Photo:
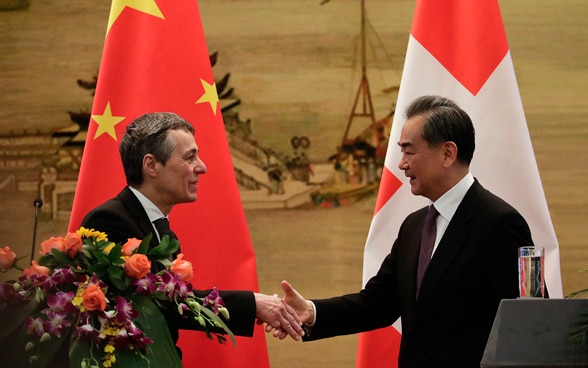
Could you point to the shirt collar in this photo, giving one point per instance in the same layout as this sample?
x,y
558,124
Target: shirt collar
x,y
151,209
447,204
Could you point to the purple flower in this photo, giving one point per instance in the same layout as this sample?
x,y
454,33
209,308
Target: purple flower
x,y
60,302
213,300
147,284
85,329
95,280
142,342
124,310
169,283
137,337
34,281
35,326
56,323
9,295
127,334
182,308
62,276
182,290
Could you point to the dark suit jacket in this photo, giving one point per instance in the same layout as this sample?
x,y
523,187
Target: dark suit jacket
x,y
473,268
123,217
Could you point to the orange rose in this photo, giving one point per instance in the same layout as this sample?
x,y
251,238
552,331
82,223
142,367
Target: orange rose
x,y
73,244
93,298
36,269
129,247
53,243
7,258
137,266
182,268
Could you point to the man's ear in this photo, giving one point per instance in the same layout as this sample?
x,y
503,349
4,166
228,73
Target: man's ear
x,y
449,153
150,165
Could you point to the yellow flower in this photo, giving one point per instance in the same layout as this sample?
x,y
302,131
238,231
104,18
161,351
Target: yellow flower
x,y
109,348
110,330
109,248
78,300
109,356
91,233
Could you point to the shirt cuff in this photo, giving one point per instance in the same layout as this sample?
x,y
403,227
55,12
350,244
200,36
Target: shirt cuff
x,y
313,315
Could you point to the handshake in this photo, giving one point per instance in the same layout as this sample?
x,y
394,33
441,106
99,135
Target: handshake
x,y
283,317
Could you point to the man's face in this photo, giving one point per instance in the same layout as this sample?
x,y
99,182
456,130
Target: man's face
x,y
178,179
421,163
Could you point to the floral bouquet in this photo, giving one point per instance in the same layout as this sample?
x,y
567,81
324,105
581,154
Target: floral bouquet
x,y
89,302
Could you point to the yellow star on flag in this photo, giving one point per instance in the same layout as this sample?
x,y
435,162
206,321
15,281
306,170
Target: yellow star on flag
x,y
209,95
145,6
106,122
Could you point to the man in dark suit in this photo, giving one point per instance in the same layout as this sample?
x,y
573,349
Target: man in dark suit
x,y
162,167
473,261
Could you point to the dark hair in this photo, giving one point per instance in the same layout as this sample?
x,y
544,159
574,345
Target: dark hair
x,y
148,134
445,121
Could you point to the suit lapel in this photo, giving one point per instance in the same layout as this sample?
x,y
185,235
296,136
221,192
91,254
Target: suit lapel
x,y
449,247
412,248
138,212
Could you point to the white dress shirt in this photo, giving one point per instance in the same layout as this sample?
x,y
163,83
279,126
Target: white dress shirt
x,y
150,208
447,204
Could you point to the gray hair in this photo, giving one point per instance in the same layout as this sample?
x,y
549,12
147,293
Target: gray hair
x,y
148,134
445,121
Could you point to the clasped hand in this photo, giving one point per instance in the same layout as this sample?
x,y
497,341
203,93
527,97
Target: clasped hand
x,y
278,316
297,311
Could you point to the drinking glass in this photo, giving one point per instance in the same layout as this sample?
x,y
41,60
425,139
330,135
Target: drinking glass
x,y
531,276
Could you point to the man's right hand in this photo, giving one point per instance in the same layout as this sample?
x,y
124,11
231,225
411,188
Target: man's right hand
x,y
278,316
302,307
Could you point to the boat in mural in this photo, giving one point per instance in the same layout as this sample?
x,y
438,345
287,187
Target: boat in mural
x,y
358,160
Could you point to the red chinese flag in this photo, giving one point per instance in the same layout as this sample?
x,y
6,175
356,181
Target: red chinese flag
x,y
458,49
155,59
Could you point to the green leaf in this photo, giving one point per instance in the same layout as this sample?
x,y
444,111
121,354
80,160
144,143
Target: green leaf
x,y
115,254
118,278
577,294
101,257
115,271
160,250
83,350
164,261
14,315
210,314
144,246
165,249
100,269
133,358
162,353
55,259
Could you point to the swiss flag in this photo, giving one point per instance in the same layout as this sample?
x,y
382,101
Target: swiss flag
x,y
458,49
155,59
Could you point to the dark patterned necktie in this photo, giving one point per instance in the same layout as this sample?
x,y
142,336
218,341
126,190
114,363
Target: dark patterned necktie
x,y
162,226
427,243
